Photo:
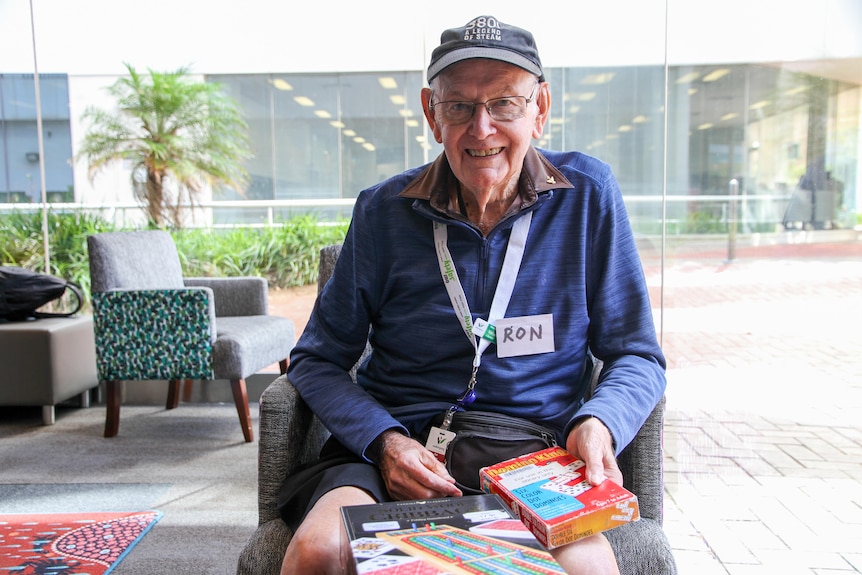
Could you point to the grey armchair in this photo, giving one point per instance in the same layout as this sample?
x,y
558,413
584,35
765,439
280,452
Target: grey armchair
x,y
641,547
153,324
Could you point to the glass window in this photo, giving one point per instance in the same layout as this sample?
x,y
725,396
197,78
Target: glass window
x,y
327,136
787,141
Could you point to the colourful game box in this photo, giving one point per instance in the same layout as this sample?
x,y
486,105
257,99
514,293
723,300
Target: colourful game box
x,y
547,490
475,534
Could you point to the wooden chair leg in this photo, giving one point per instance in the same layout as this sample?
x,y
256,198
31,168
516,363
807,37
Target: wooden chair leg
x,y
173,394
240,397
187,390
112,418
282,365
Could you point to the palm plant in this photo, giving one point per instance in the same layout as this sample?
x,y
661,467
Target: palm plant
x,y
178,134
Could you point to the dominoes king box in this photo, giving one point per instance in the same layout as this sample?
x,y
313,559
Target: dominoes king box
x,y
548,491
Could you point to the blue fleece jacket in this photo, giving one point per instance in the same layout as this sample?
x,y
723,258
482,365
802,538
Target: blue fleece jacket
x,y
580,265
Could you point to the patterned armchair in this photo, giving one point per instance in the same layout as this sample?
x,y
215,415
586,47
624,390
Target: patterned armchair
x,y
641,548
153,324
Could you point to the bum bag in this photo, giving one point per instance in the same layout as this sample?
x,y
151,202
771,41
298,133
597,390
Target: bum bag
x,y
484,438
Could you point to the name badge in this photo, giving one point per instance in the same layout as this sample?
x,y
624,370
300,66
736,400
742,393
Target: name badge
x,y
526,335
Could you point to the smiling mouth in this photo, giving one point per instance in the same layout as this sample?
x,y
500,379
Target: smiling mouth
x,y
484,153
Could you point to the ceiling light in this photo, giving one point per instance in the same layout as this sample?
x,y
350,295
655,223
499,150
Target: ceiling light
x,y
405,113
705,126
574,109
398,99
420,139
760,104
349,133
625,128
597,79
412,123
336,124
585,97
716,75
387,82
359,139
688,78
282,85
796,90
369,146
303,101
729,116
640,119
322,114
692,91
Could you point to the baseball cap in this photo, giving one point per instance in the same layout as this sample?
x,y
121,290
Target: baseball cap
x,y
486,37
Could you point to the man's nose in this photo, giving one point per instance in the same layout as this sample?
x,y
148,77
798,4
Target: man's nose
x,y
481,124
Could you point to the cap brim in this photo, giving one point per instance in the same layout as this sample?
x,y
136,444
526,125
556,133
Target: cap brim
x,y
500,54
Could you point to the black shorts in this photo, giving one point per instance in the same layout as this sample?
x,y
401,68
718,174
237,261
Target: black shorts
x,y
336,467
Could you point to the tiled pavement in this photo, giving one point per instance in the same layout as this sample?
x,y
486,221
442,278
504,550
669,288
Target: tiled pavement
x,y
763,434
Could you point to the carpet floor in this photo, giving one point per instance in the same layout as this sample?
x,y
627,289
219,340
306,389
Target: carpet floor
x,y
190,463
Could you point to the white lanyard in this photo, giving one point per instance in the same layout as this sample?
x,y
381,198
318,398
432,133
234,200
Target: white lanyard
x,y
505,285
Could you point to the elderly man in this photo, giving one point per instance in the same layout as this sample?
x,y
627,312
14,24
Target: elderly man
x,y
492,230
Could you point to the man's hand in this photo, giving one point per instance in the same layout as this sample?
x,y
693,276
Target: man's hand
x,y
591,442
411,471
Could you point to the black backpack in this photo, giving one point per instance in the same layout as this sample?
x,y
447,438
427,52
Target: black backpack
x,y
22,292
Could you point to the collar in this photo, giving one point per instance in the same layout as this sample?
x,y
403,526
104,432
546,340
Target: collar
x,y
435,182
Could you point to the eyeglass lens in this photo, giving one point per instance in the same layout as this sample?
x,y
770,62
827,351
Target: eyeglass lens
x,y
503,109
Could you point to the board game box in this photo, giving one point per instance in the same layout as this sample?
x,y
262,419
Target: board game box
x,y
547,490
453,536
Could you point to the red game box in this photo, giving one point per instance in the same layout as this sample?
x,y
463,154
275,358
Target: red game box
x,y
547,490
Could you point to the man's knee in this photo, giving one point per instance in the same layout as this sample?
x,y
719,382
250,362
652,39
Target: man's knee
x,y
320,544
313,554
589,556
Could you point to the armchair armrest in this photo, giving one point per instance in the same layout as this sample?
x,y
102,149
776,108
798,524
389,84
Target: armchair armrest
x,y
290,435
235,296
641,464
174,326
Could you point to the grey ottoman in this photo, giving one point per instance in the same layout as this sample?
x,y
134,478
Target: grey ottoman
x,y
47,361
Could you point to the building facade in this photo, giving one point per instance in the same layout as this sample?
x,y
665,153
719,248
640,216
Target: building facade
x,y
706,113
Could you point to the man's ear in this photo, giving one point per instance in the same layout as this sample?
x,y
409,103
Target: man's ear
x,y
543,101
429,115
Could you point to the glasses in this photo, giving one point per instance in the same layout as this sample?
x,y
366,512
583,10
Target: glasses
x,y
503,109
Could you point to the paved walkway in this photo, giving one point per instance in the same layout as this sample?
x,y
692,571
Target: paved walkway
x,y
763,434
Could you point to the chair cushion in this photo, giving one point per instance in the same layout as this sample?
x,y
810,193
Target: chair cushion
x,y
246,344
134,260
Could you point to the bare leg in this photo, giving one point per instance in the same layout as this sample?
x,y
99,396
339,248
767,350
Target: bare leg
x,y
590,556
320,546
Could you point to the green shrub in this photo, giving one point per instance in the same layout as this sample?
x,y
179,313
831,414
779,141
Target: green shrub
x,y
286,255
22,244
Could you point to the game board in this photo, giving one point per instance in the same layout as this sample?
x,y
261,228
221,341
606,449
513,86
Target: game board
x,y
461,552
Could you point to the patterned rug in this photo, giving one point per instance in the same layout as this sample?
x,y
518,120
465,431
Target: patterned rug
x,y
70,543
